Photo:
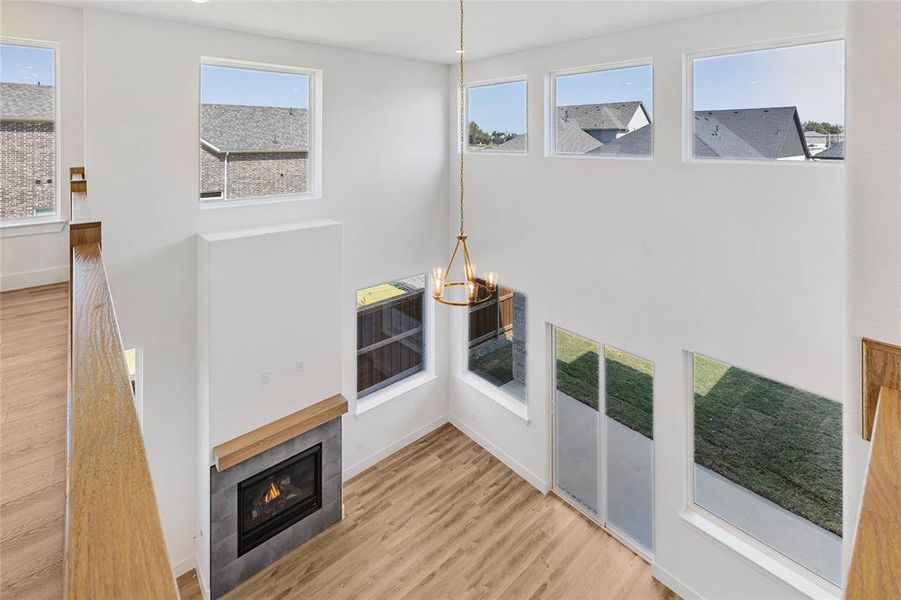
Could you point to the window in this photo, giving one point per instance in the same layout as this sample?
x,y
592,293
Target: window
x,y
603,442
604,112
629,399
768,460
256,132
778,104
497,341
28,133
496,114
390,333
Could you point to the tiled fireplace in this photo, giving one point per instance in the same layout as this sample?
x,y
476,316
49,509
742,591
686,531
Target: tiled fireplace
x,y
269,504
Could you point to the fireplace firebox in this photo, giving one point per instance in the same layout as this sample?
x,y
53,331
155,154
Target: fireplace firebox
x,y
275,499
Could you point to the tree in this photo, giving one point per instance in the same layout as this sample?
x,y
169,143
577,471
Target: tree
x,y
479,137
823,127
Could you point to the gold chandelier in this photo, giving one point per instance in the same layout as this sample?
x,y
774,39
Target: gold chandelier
x,y
472,289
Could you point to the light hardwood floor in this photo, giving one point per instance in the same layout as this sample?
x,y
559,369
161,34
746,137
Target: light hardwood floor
x,y
33,385
442,518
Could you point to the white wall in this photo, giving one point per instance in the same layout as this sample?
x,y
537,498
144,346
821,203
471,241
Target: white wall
x,y
873,215
657,257
142,97
42,258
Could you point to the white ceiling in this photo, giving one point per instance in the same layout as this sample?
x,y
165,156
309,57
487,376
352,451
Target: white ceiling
x,y
423,29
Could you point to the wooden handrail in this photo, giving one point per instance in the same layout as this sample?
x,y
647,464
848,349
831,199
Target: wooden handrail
x,y
114,540
876,562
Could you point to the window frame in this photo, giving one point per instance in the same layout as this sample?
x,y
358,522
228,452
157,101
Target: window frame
x,y
550,116
517,406
56,220
314,158
388,391
722,531
483,83
688,59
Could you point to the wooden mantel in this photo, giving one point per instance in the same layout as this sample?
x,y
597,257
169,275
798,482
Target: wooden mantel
x,y
259,440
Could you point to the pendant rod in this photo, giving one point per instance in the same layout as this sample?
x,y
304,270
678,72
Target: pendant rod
x,y
462,119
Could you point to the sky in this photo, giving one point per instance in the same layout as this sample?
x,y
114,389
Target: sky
x,y
613,85
810,77
498,107
26,64
228,85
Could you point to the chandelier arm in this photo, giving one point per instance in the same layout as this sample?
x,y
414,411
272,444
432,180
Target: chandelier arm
x,y
450,263
468,274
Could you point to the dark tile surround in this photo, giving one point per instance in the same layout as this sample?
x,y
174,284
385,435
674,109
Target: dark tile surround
x,y
227,569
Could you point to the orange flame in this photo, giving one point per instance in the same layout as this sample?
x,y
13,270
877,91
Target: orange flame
x,y
272,494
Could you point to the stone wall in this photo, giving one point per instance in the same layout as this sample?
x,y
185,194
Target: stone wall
x,y
212,172
254,175
519,337
27,168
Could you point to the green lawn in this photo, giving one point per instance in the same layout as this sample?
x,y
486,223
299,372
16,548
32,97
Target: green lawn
x,y
782,443
495,366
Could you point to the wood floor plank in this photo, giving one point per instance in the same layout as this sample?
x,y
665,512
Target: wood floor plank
x,y
33,387
442,518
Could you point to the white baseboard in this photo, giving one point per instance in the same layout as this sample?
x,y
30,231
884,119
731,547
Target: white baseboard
x,y
390,449
676,585
27,279
502,456
180,567
204,586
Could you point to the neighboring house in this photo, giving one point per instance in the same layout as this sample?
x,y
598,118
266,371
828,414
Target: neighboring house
x,y
253,151
27,150
773,133
636,143
605,122
833,152
518,143
817,141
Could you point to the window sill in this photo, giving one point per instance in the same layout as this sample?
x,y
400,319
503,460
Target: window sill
x,y
762,557
493,153
262,201
639,157
814,164
391,392
31,227
507,401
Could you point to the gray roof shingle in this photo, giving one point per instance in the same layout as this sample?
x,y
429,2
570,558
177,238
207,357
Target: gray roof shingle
x,y
635,143
835,151
757,133
237,128
571,139
518,143
611,115
26,102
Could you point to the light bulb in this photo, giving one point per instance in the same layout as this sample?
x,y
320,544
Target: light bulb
x,y
437,282
471,288
491,280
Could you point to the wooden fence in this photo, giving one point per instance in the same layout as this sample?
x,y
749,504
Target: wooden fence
x,y
390,341
492,318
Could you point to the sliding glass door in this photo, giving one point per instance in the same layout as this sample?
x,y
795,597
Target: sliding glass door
x,y
603,442
577,428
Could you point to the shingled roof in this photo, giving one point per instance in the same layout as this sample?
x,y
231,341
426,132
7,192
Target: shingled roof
x,y
639,142
761,133
610,115
571,139
236,128
518,143
834,152
26,102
